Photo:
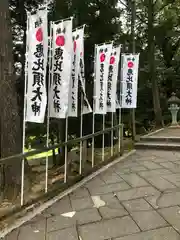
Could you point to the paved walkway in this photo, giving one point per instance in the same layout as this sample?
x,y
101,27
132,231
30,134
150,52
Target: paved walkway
x,y
137,199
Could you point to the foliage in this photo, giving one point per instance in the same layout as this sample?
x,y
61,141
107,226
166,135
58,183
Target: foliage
x,y
107,20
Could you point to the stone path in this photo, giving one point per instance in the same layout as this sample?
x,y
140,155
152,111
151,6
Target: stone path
x,y
137,199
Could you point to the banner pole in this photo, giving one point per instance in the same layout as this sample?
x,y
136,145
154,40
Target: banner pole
x,y
81,133
103,138
119,130
93,120
24,112
81,120
48,105
66,151
112,134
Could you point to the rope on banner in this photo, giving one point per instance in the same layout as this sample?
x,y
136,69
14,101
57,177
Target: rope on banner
x,y
48,104
24,113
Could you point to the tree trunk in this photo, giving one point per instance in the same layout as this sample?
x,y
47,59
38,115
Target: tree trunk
x,y
152,77
10,129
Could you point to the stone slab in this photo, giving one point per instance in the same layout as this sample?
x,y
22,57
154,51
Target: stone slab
x,y
97,181
79,193
172,216
152,173
164,199
151,165
110,199
13,235
173,178
148,220
136,193
81,203
112,211
58,208
59,223
167,233
99,190
33,231
175,168
111,177
87,216
108,229
136,205
160,183
134,180
64,234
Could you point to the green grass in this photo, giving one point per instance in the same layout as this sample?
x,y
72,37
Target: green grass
x,y
40,155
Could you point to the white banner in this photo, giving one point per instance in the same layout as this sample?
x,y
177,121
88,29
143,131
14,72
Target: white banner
x,y
130,80
86,108
78,41
102,60
61,68
36,97
112,79
119,87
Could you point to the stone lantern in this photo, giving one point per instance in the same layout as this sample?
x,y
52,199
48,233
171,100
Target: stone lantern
x,y
174,103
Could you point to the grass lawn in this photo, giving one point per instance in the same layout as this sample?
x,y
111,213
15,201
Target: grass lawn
x,y
40,155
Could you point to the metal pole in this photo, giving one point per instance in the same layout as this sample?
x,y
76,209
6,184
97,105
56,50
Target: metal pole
x,y
66,151
133,18
120,101
24,113
93,120
48,110
103,138
119,130
112,134
81,131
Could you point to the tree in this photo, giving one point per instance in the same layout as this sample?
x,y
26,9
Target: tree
x,y
152,77
10,126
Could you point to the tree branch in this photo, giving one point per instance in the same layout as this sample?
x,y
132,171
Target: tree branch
x,y
141,19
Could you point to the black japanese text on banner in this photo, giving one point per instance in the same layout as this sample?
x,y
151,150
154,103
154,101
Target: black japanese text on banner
x,y
130,80
101,77
86,108
36,97
61,68
78,40
112,79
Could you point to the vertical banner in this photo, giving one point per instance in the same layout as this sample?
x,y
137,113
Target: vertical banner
x,y
78,41
119,87
86,108
62,48
36,97
130,80
101,77
112,79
